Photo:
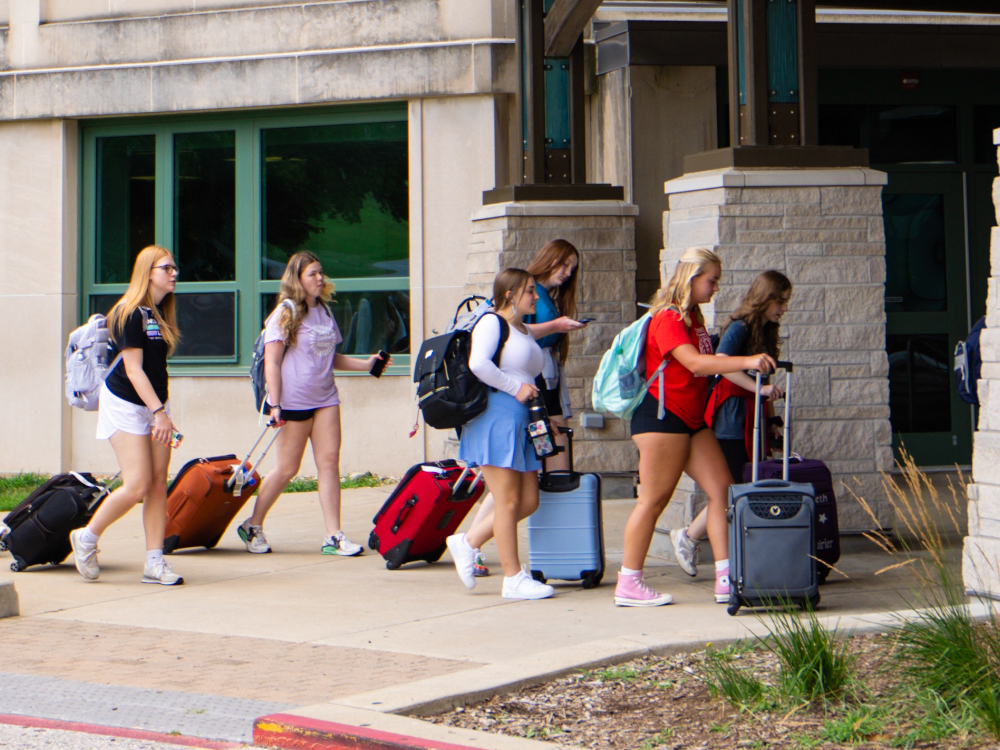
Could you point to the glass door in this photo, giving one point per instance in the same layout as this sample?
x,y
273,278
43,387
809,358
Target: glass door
x,y
926,314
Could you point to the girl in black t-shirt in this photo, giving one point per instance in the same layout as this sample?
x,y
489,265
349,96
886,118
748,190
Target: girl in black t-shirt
x,y
135,413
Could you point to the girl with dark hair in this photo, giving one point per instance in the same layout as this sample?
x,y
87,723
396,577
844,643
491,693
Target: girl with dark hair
x,y
752,329
497,440
300,355
135,414
668,427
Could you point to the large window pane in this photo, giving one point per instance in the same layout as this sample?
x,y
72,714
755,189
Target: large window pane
x,y
919,382
985,119
205,205
126,201
369,321
892,134
339,191
916,269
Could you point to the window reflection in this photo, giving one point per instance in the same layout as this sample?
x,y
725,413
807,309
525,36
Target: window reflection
x,y
916,268
126,201
339,191
205,205
919,383
892,134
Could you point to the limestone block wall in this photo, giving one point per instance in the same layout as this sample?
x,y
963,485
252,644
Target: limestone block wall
x,y
509,234
981,561
823,229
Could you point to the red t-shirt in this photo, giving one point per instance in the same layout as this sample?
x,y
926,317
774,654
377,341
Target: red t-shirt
x,y
685,394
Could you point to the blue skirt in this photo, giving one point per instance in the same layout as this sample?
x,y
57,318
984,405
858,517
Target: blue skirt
x,y
499,436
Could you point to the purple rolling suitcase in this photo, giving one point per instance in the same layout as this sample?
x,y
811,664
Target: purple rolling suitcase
x,y
814,472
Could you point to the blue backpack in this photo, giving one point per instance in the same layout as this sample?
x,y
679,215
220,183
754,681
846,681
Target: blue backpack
x,y
969,364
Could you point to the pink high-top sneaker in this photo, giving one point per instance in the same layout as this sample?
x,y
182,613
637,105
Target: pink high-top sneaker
x,y
632,592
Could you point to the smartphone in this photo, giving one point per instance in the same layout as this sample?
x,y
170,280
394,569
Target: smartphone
x,y
586,320
379,367
175,438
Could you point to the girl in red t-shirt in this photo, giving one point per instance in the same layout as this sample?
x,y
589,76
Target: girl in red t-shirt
x,y
676,439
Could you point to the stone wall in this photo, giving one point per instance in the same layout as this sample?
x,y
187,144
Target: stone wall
x,y
981,561
509,234
823,229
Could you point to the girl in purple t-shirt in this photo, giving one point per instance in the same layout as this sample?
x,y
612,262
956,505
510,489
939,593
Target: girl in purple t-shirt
x,y
300,354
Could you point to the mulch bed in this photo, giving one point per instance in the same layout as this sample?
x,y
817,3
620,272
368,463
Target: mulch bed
x,y
665,703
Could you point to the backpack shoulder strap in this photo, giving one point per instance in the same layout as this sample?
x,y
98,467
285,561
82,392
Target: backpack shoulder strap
x,y
504,335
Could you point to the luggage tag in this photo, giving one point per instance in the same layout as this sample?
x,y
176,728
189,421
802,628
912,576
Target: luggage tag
x,y
243,471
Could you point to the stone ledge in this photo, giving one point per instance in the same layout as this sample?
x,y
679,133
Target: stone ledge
x,y
738,178
556,208
10,605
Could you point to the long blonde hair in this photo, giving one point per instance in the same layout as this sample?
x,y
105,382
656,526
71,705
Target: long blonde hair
x,y
677,292
138,295
291,288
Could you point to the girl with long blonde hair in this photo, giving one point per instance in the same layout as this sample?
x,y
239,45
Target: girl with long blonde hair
x,y
669,426
300,355
135,413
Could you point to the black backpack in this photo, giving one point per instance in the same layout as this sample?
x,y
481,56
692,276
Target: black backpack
x,y
448,392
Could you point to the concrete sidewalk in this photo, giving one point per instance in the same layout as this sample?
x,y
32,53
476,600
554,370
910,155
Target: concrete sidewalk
x,y
342,639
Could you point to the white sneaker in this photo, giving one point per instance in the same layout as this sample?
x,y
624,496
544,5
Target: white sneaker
x,y
523,586
464,557
85,556
339,544
161,572
685,550
253,537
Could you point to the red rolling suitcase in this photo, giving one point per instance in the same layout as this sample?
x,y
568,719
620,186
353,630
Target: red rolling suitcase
x,y
207,494
425,509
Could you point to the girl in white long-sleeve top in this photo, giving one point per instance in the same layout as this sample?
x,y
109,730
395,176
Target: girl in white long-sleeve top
x,y
497,440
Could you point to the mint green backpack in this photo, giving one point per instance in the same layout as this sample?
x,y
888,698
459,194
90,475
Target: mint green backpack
x,y
621,382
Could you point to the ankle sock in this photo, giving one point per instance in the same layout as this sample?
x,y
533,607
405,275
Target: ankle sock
x,y
721,566
88,537
154,556
629,571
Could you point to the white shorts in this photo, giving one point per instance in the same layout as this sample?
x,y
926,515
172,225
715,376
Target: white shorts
x,y
118,414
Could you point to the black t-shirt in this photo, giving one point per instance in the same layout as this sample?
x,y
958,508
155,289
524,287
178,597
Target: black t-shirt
x,y
154,357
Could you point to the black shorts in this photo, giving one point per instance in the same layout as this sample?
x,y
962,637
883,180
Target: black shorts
x,y
644,420
293,415
553,404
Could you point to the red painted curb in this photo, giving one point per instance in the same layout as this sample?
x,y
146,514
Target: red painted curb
x,y
132,734
287,732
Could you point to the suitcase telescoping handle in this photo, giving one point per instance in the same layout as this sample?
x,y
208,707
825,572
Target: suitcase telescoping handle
x,y
787,367
568,432
241,473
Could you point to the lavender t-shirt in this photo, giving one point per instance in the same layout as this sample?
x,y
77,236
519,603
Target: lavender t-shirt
x,y
307,369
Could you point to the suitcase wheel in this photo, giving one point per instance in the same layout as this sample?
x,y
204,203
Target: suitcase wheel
x,y
16,566
390,565
592,579
3,544
538,576
733,608
373,541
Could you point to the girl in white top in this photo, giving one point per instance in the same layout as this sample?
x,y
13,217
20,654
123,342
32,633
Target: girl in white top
x,y
497,440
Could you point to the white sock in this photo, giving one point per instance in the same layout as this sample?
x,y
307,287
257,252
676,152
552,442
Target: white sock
x,y
154,556
629,571
721,565
88,537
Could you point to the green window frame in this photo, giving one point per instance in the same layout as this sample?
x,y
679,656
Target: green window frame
x,y
247,286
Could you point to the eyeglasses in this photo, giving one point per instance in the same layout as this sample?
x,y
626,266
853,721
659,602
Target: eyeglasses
x,y
170,269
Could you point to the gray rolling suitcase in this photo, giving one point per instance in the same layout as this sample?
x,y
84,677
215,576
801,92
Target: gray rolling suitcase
x,y
772,533
566,533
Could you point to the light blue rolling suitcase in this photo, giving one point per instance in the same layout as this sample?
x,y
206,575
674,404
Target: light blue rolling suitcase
x,y
566,533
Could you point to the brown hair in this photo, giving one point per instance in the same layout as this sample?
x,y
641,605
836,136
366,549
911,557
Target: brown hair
x,y
291,288
138,295
677,292
545,262
765,289
508,281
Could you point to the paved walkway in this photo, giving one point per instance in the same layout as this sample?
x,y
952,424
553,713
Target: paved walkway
x,y
296,632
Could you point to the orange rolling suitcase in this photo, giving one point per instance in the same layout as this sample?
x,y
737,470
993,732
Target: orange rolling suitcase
x,y
206,495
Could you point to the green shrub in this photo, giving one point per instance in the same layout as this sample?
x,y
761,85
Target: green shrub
x,y
733,683
15,487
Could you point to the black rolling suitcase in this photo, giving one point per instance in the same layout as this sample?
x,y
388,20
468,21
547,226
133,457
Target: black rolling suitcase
x,y
772,533
41,523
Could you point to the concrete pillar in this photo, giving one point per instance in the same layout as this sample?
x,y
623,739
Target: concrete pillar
x,y
981,561
506,235
823,229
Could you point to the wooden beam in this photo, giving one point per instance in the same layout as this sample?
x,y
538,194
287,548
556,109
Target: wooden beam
x,y
564,23
577,116
754,129
733,69
534,92
808,87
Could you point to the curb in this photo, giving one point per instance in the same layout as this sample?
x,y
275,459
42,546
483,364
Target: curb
x,y
301,733
132,734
